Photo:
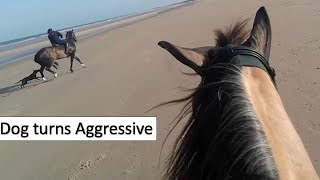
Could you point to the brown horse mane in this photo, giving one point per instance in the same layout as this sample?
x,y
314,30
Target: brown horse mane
x,y
223,138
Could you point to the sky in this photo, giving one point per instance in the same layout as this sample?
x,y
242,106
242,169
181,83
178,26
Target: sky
x,y
22,18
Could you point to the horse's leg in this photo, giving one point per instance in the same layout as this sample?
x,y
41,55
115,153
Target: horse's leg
x,y
41,72
50,70
55,65
78,59
48,66
71,62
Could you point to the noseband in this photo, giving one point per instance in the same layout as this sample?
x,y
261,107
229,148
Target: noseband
x,y
245,56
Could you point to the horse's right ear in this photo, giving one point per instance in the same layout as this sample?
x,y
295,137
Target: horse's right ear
x,y
260,37
192,58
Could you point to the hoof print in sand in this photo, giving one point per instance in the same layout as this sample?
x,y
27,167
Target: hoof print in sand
x,y
85,165
308,107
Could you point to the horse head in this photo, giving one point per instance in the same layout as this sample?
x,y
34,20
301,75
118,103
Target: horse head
x,y
70,36
238,127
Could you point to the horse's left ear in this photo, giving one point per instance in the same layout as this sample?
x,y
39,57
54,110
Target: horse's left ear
x,y
192,58
260,37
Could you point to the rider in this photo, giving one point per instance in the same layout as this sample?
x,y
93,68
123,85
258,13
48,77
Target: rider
x,y
54,37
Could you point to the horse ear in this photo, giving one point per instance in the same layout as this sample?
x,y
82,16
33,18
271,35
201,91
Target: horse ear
x,y
260,37
192,58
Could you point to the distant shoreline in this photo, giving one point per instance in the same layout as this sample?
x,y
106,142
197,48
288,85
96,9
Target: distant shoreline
x,y
95,23
28,46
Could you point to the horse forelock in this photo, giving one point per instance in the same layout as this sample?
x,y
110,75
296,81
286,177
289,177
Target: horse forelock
x,y
223,138
234,34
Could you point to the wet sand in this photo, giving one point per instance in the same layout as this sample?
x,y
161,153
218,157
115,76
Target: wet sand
x,y
127,73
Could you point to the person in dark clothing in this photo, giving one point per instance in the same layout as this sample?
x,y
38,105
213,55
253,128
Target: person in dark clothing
x,y
54,37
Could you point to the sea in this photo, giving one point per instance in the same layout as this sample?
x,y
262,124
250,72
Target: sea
x,y
23,20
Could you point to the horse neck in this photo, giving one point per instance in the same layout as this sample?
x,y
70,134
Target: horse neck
x,y
70,40
289,153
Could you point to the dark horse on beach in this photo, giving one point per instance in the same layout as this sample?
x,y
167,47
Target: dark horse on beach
x,y
47,56
238,128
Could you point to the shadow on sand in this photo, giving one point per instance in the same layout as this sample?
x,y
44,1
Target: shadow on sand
x,y
6,91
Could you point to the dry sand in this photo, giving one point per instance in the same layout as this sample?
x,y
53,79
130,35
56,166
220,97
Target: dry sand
x,y
128,73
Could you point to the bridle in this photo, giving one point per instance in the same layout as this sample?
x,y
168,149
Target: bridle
x,y
245,56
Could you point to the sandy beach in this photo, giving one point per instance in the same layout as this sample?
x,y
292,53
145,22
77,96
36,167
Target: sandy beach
x,y
127,73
